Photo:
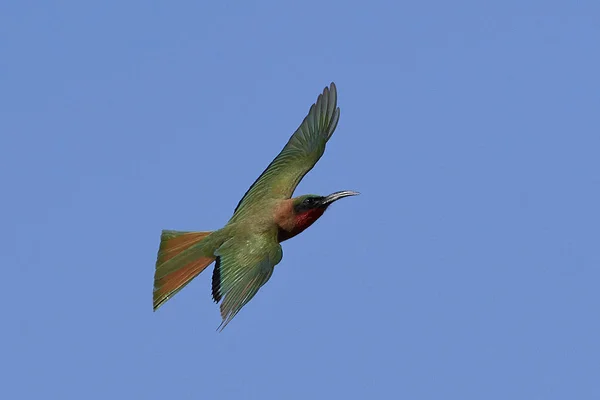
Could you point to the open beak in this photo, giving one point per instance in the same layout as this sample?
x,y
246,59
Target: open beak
x,y
338,195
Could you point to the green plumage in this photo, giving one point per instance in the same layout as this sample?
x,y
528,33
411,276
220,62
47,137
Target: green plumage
x,y
247,248
245,264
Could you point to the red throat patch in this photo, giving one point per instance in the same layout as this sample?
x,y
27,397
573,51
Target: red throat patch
x,y
300,223
307,218
290,224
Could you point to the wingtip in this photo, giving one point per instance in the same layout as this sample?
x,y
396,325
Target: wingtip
x,y
331,89
226,318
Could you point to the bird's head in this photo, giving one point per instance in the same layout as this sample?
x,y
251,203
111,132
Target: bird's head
x,y
304,211
312,202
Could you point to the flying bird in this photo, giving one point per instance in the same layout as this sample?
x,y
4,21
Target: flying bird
x,y
246,250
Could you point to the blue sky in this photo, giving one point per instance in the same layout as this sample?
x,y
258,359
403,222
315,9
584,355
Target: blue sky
x,y
467,269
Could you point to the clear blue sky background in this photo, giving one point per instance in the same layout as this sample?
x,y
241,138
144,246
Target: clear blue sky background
x,y
467,269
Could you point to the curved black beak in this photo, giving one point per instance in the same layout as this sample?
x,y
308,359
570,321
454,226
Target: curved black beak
x,y
338,195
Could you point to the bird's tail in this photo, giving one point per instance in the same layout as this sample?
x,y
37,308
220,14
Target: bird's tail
x,y
181,257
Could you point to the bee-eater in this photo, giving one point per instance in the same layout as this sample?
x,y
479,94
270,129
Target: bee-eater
x,y
247,249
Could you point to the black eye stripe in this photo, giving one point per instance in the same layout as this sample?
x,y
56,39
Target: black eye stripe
x,y
308,203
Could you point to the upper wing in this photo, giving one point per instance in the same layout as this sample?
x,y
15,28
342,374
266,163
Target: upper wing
x,y
299,155
243,266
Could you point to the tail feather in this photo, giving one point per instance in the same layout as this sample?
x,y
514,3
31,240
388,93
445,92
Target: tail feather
x,y
172,274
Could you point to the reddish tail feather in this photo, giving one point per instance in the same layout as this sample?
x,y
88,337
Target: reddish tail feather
x,y
170,279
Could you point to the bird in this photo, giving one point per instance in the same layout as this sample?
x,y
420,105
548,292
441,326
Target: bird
x,y
247,249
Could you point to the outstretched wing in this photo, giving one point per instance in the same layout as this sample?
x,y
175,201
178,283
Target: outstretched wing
x,y
299,155
243,266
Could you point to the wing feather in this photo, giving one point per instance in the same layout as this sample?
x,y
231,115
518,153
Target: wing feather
x,y
299,155
243,267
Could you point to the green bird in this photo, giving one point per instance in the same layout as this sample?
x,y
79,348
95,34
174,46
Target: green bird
x,y
247,249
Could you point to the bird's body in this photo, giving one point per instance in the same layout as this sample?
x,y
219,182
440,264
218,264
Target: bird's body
x,y
247,249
